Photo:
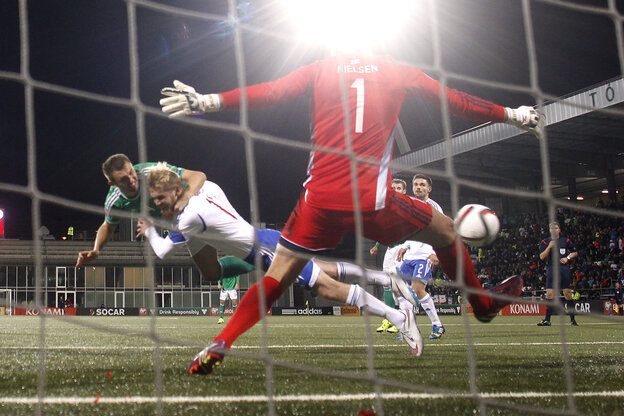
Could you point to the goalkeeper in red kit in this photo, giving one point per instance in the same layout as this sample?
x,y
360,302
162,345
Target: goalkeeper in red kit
x,y
355,102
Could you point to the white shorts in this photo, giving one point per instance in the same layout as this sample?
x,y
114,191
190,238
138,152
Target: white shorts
x,y
225,294
389,262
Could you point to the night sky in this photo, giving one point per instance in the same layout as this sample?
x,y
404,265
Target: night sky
x,y
84,45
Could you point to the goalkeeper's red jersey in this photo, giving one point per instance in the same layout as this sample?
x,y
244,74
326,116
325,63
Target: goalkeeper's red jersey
x,y
375,88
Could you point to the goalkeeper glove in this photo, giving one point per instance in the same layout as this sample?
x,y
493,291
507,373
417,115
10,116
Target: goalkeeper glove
x,y
526,118
184,101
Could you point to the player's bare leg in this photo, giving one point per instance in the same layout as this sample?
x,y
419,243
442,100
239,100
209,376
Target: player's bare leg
x,y
207,262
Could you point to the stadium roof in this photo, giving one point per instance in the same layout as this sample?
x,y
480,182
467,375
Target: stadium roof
x,y
585,137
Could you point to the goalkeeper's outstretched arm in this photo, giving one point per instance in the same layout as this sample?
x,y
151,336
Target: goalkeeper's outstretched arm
x,y
527,118
183,100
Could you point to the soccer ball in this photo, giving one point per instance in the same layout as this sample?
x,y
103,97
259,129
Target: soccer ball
x,y
476,225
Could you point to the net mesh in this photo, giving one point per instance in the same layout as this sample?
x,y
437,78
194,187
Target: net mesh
x,y
242,34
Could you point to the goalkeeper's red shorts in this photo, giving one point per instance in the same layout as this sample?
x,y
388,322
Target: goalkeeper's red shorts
x,y
311,229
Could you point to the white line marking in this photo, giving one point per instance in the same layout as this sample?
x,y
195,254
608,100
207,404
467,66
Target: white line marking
x,y
316,346
295,398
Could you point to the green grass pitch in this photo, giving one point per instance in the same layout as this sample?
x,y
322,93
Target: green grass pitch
x,y
319,366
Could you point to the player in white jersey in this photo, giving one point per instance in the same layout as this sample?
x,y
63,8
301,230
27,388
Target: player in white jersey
x,y
124,195
390,264
419,259
210,218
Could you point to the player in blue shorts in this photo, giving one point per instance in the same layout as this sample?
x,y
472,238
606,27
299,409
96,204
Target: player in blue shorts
x,y
419,259
209,220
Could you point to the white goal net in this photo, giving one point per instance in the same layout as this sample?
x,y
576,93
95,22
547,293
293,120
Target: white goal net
x,y
88,86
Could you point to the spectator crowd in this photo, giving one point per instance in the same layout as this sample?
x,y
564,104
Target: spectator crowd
x,y
599,265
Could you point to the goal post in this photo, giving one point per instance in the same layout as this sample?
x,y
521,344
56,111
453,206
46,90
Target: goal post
x,y
6,302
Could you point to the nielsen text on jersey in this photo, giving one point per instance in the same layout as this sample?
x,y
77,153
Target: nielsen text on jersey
x,y
360,69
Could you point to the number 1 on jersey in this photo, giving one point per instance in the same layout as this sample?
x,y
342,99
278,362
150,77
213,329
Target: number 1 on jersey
x,y
358,84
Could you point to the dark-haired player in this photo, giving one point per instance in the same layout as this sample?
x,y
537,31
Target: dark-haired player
x,y
567,251
124,195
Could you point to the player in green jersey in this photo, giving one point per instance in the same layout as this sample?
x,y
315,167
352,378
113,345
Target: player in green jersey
x,y
124,194
229,290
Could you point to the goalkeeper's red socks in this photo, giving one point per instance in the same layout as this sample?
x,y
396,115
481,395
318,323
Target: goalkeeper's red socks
x,y
448,257
247,313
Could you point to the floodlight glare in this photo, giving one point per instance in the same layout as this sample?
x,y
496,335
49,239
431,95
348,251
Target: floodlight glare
x,y
348,24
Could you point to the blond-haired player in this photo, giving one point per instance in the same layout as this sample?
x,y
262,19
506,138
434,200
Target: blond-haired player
x,y
211,218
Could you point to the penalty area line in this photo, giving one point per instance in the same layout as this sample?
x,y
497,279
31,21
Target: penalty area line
x,y
294,398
